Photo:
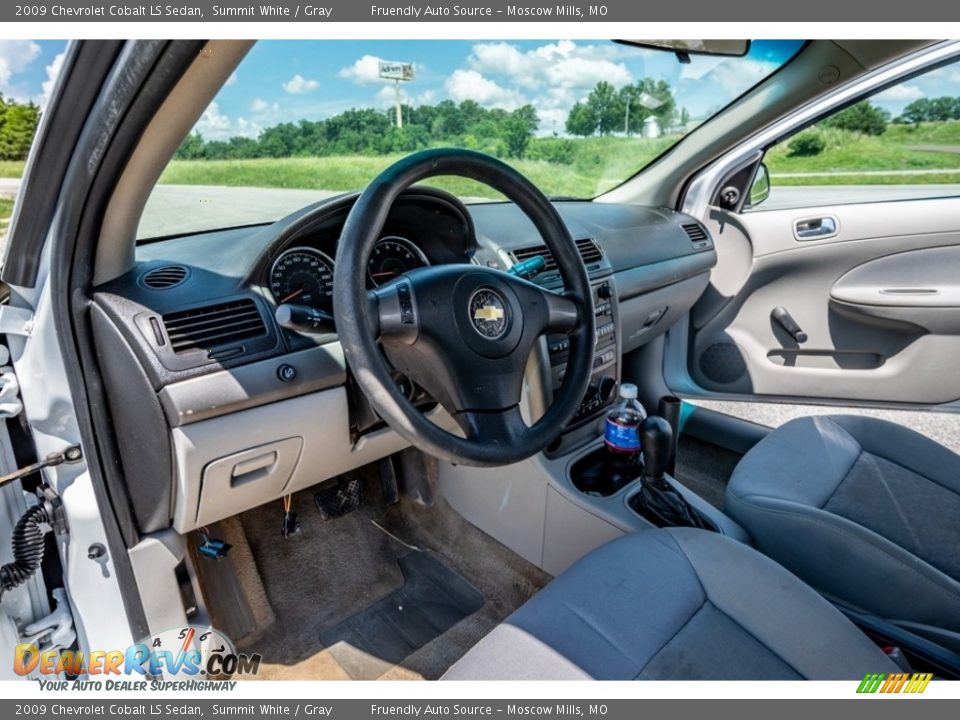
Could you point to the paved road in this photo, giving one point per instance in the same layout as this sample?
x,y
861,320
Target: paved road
x,y
9,187
179,208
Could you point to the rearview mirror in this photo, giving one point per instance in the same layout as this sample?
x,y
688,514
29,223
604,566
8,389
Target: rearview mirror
x,y
734,48
760,188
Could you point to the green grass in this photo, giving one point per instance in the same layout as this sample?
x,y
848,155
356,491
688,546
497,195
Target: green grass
x,y
6,208
932,179
11,168
591,166
597,165
941,133
851,152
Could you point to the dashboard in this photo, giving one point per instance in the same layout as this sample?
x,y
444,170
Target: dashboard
x,y
220,408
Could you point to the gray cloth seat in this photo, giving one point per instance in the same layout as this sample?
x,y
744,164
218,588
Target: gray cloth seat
x,y
864,510
674,604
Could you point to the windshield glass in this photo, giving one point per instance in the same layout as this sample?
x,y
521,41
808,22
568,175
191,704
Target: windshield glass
x,y
300,121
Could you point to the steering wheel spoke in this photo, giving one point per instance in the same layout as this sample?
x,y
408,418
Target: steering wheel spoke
x,y
499,428
395,312
563,312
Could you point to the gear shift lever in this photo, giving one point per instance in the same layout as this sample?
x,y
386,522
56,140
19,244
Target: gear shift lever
x,y
656,438
657,500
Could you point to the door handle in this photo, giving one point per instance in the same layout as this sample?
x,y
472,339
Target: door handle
x,y
815,228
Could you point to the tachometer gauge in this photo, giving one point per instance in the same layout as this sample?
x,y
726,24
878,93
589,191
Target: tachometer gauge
x,y
303,276
391,257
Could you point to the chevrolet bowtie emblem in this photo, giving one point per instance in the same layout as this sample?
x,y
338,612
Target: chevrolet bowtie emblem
x,y
488,312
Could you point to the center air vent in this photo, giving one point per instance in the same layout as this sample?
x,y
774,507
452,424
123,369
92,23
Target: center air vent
x,y
214,326
695,232
165,277
589,251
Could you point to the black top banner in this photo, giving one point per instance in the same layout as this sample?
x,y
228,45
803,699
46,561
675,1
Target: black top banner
x,y
324,11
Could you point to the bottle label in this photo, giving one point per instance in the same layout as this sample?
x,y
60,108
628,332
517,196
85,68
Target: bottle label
x,y
624,438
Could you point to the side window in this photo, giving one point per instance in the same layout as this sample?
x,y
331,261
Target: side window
x,y
899,144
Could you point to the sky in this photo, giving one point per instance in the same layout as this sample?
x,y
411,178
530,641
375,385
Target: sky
x,y
28,68
286,81
283,81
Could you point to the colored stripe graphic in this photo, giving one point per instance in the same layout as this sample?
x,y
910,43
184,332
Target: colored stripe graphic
x,y
894,683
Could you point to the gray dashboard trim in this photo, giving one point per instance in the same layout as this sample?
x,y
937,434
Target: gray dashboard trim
x,y
645,278
247,386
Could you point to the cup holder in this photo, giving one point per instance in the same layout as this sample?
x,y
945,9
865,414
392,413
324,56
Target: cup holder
x,y
600,473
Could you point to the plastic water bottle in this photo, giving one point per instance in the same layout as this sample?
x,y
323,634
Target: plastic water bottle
x,y
621,433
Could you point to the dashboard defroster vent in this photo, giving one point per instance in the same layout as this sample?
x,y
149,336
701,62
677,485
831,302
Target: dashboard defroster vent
x,y
590,253
695,232
214,326
165,277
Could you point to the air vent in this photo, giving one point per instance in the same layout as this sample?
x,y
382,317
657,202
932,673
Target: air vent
x,y
695,232
164,277
214,325
589,251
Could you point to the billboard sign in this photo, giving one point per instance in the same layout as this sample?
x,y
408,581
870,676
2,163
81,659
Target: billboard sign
x,y
390,70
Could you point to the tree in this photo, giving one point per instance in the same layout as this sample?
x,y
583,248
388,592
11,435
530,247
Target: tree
x,y
18,123
605,107
932,110
863,117
192,147
917,111
518,129
806,144
580,121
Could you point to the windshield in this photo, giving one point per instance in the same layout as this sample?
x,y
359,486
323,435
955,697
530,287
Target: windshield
x,y
300,121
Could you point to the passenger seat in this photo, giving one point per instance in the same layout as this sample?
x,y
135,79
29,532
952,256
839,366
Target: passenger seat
x,y
864,510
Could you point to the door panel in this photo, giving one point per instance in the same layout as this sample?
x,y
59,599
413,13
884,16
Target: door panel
x,y
874,288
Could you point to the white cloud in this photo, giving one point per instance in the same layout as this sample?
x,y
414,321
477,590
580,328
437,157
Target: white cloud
x,y
15,57
261,107
551,77
364,71
563,64
299,85
900,93
232,80
471,85
215,125
53,71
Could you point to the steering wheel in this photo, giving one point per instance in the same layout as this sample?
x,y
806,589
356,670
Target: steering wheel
x,y
462,332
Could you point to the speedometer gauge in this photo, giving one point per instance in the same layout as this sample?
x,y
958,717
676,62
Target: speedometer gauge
x,y
391,257
303,276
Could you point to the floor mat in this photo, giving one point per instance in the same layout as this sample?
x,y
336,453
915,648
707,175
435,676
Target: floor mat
x,y
432,599
705,468
316,578
333,571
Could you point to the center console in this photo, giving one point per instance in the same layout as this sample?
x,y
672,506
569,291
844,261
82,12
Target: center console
x,y
602,390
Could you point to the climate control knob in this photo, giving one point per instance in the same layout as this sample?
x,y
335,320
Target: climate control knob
x,y
606,386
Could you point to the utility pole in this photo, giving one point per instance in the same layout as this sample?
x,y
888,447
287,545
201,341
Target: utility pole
x,y
396,85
